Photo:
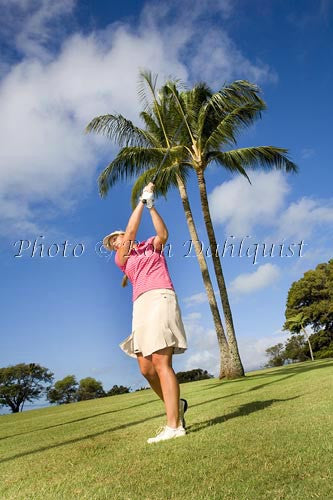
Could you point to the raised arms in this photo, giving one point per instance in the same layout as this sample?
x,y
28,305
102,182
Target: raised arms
x,y
133,225
160,227
130,232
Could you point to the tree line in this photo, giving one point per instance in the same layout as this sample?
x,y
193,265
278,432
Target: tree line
x,y
296,349
30,381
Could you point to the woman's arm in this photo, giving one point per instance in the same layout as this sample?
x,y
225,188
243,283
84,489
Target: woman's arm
x,y
131,230
134,221
161,229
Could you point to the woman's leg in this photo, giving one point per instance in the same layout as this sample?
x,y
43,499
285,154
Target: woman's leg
x,y
162,362
148,371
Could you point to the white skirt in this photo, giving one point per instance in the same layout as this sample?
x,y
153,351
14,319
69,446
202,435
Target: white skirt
x,y
156,323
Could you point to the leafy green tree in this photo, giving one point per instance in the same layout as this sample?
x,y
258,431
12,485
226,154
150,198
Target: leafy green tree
x,y
121,389
212,121
297,322
313,296
276,355
193,375
64,391
295,348
22,382
90,388
322,344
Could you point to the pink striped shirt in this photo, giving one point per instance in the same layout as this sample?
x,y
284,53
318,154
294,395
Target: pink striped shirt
x,y
146,268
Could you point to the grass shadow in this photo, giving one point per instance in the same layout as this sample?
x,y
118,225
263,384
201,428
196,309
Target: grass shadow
x,y
77,420
243,410
295,370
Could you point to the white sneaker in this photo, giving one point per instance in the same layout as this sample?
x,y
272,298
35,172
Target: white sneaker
x,y
167,433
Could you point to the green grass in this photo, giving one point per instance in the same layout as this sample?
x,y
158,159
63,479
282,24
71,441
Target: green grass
x,y
266,436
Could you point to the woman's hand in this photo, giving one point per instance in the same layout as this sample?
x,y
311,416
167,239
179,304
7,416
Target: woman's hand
x,y
149,187
147,196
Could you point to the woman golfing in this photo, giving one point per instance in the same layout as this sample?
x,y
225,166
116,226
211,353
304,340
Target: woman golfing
x,y
157,328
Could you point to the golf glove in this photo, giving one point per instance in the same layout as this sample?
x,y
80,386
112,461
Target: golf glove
x,y
149,197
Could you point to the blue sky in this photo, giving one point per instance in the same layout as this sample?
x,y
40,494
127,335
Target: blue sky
x,y
64,63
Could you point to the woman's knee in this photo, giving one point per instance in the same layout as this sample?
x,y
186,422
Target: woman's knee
x,y
146,366
149,373
162,359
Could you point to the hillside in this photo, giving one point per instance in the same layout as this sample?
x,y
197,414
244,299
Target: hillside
x,y
268,435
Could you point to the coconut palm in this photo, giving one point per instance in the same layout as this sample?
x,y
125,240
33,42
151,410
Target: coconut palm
x,y
211,121
123,131
295,324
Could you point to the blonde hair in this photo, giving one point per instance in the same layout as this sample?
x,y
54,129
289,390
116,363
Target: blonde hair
x,y
106,243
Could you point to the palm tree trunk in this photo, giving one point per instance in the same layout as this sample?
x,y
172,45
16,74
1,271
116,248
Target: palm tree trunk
x,y
307,338
237,367
225,360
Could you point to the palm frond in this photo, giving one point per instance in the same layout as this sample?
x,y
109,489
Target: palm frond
x,y
153,106
179,105
147,79
166,179
180,84
252,157
225,101
152,125
132,161
121,130
173,118
238,118
195,100
231,166
235,94
143,149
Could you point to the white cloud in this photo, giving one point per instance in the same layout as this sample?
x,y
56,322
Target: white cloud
x,y
312,255
243,209
241,206
157,15
203,351
218,55
252,349
35,23
192,316
45,107
197,298
48,97
264,276
303,216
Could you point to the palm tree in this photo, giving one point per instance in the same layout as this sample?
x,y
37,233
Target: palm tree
x,y
211,120
142,149
296,323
